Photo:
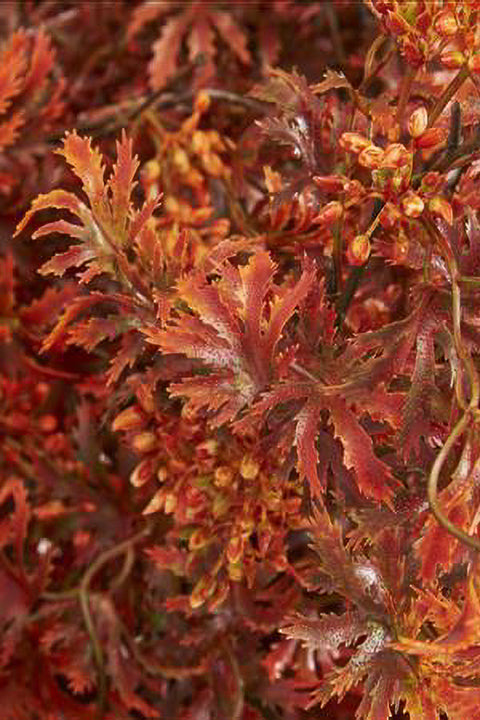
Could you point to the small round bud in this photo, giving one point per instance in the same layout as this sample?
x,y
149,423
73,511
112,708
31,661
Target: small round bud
x,y
223,476
412,205
47,423
142,473
441,208
129,419
354,142
249,468
417,122
371,157
144,442
359,249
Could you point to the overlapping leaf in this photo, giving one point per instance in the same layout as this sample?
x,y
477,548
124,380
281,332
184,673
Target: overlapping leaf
x,y
235,332
108,226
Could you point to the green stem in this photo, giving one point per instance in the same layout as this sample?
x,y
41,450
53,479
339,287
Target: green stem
x,y
470,408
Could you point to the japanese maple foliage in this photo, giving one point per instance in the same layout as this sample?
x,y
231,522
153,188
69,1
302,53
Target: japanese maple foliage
x,y
239,360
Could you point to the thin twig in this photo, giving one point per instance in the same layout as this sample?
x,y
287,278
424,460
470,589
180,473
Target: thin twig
x,y
83,595
161,100
470,409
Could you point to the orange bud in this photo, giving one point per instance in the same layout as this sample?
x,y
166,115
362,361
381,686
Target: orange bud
x,y
155,504
145,398
442,208
359,250
151,171
170,503
180,160
330,183
417,122
200,142
144,442
202,591
452,59
353,142
412,205
235,572
129,419
430,138
41,391
47,423
329,214
235,549
371,157
202,101
223,476
212,164
162,474
142,473
194,178
354,190
249,468
446,24
395,156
